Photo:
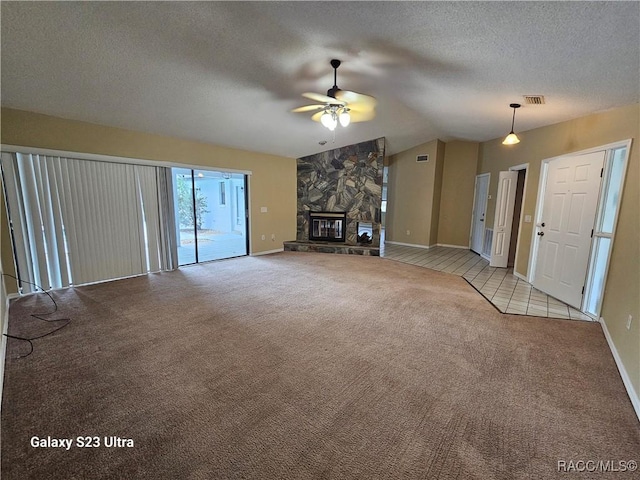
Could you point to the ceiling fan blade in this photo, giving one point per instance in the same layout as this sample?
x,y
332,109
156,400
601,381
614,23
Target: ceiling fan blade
x,y
316,116
354,98
362,116
360,107
322,98
308,108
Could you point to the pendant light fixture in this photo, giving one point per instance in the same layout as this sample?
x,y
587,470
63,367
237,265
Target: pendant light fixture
x,y
512,138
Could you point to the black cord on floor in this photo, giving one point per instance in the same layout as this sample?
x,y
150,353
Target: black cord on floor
x,y
39,316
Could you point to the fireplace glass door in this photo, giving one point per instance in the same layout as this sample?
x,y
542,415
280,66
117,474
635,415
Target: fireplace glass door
x,y
327,226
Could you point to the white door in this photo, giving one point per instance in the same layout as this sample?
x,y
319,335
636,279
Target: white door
x,y
479,210
569,207
505,202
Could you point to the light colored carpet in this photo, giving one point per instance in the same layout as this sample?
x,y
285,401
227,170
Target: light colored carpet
x,y
308,366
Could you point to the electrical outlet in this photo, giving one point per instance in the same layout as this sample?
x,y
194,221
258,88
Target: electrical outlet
x,y
629,322
408,232
263,237
273,237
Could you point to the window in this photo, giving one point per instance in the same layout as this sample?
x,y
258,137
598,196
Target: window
x,y
80,221
604,231
204,232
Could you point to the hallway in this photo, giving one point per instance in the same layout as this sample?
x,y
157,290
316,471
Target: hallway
x,y
508,293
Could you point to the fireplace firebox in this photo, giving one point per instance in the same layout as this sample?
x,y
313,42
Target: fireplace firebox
x,y
327,226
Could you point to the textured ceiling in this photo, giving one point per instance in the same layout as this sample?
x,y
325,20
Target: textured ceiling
x,y
230,72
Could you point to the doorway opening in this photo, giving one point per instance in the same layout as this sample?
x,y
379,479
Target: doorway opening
x,y
517,213
478,227
508,216
211,220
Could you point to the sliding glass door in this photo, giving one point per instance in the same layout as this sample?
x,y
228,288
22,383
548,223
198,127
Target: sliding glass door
x,y
210,207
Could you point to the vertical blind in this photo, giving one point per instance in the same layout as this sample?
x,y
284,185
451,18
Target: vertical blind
x,y
81,221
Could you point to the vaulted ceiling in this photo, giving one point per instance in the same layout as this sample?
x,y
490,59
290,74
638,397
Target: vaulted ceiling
x,y
229,73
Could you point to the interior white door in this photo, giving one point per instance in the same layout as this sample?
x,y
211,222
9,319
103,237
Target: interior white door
x,y
505,202
479,211
569,208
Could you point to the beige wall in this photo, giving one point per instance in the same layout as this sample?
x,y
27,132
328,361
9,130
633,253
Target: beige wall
x,y
272,183
622,294
411,197
456,200
6,252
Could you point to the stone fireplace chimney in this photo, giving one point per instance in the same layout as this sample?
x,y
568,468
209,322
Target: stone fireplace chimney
x,y
345,181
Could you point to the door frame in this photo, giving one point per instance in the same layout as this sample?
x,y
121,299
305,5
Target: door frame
x,y
516,168
247,213
229,201
525,167
473,208
544,170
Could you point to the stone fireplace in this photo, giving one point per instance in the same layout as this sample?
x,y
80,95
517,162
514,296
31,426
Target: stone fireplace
x,y
346,182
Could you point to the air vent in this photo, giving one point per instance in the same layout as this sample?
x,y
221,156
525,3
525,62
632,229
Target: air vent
x,y
534,99
422,158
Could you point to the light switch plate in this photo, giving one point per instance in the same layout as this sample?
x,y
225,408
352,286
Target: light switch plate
x,y
263,209
527,219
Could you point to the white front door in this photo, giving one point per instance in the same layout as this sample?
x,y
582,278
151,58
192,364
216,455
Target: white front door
x,y
479,210
569,208
505,202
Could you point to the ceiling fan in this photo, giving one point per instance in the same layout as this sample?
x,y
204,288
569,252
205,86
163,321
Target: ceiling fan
x,y
339,106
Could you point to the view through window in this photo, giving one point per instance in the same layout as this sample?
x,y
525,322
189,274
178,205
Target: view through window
x,y
210,223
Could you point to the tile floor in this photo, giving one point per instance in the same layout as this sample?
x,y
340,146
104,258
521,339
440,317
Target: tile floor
x,y
508,293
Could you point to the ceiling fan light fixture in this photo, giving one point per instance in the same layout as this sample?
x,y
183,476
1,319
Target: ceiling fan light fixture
x,y
512,138
327,120
339,106
345,118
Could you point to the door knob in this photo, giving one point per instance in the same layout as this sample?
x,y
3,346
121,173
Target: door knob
x,y
542,225
541,234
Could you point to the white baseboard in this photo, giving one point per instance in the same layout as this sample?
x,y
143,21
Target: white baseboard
x,y
267,252
486,257
633,395
407,244
465,247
